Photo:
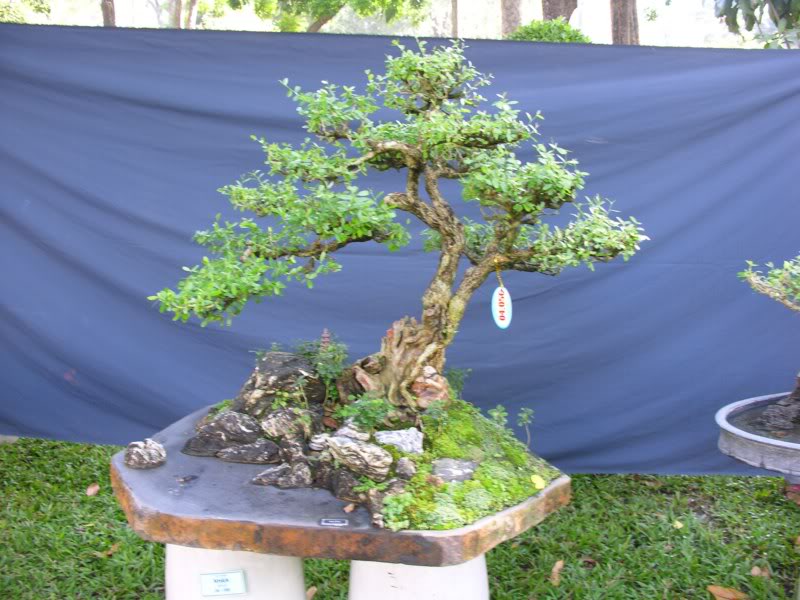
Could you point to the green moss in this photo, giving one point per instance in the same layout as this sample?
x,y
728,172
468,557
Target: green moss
x,y
221,406
502,479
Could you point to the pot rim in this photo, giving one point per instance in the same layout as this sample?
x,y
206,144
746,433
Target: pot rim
x,y
729,409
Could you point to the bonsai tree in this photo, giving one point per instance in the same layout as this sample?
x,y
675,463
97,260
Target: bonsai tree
x,y
781,284
443,128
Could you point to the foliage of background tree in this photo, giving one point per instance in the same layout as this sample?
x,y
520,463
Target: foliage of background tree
x,y
555,30
13,11
783,14
312,15
443,130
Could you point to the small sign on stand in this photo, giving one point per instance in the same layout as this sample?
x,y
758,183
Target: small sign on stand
x,y
223,584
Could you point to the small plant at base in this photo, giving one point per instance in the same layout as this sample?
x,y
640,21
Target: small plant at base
x,y
456,378
499,415
524,419
367,411
328,357
437,412
394,511
368,484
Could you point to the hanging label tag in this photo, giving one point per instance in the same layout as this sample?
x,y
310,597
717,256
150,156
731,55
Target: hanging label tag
x,y
501,307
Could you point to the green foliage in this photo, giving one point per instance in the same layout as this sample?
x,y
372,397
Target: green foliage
x,y
457,378
367,411
313,207
368,484
499,415
221,406
502,479
783,14
524,418
394,510
296,15
329,360
12,12
779,283
553,30
438,414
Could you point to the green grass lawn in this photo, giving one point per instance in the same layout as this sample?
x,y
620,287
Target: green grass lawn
x,y
637,537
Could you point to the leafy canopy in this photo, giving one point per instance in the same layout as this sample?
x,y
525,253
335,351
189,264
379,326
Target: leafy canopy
x,y
552,30
296,15
308,204
779,283
784,14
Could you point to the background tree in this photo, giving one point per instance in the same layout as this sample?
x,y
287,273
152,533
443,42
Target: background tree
x,y
624,22
783,14
553,9
109,17
555,30
13,11
444,131
312,15
510,13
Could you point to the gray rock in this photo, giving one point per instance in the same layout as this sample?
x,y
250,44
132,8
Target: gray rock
x,y
406,468
360,457
271,475
145,455
406,440
278,372
343,483
451,469
323,475
261,451
298,476
288,423
292,451
783,415
351,430
319,442
228,429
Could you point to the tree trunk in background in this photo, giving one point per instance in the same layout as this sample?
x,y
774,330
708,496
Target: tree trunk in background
x,y
317,25
552,9
454,18
624,22
511,16
109,18
175,12
190,17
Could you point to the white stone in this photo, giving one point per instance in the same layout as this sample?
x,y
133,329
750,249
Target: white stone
x,y
406,440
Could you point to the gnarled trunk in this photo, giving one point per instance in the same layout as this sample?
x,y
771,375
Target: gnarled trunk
x,y
785,413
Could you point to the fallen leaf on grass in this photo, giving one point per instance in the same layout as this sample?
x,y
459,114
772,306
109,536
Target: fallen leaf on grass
x,y
538,482
721,593
588,562
760,572
677,525
93,489
349,508
107,553
311,592
555,573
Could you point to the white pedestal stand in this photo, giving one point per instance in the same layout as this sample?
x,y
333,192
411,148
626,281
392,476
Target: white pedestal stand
x,y
266,576
386,581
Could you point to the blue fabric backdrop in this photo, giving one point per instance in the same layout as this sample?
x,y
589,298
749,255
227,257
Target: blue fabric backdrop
x,y
112,144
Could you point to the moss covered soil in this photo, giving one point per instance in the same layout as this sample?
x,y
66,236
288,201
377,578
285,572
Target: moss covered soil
x,y
507,472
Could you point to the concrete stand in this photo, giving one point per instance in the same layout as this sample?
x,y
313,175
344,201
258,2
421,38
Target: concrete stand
x,y
387,581
265,576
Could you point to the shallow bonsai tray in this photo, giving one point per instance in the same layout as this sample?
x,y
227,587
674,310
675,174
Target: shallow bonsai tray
x,y
209,503
751,448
